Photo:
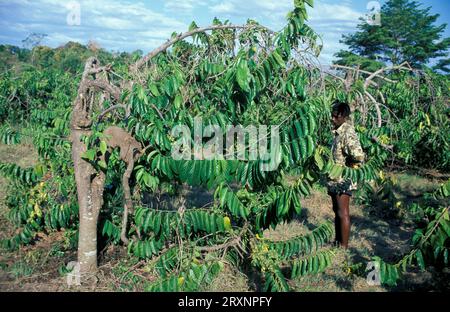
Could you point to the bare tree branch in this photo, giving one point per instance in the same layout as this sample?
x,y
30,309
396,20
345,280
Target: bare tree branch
x,y
403,65
114,107
233,242
96,70
182,36
105,86
377,107
157,110
362,71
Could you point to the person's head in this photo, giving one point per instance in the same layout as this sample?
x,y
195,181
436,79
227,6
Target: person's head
x,y
340,111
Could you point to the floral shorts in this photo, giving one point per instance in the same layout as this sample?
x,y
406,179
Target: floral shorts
x,y
339,188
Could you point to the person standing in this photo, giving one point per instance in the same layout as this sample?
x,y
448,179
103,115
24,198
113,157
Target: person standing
x,y
346,151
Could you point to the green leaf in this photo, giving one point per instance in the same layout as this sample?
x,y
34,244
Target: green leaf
x,y
193,26
277,57
445,224
178,101
40,170
89,154
336,171
243,75
154,90
227,223
298,4
103,147
102,164
420,261
318,159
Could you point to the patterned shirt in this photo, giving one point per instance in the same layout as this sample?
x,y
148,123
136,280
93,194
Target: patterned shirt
x,y
346,151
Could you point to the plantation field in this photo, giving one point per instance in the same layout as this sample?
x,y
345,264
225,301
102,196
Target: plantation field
x,y
383,231
204,164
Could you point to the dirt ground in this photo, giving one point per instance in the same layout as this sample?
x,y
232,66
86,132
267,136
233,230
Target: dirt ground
x,y
39,267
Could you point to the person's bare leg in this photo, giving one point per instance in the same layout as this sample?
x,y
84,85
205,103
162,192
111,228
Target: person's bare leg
x,y
343,203
337,221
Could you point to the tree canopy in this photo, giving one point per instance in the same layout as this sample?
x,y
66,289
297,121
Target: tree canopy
x,y
408,33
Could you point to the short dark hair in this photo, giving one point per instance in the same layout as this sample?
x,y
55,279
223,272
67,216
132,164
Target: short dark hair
x,y
342,108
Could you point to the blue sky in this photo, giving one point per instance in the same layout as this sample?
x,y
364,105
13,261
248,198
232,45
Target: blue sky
x,y
123,25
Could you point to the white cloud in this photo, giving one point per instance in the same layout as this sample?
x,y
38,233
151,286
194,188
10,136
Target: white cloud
x,y
135,12
327,19
184,7
272,6
223,8
129,25
339,12
331,21
62,39
113,24
268,12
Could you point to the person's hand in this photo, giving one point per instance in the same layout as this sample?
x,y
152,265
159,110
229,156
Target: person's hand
x,y
355,166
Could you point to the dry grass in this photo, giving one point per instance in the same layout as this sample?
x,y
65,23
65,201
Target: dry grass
x,y
230,280
22,154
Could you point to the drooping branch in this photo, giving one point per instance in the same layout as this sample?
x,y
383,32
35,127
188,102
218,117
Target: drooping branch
x,y
97,70
103,85
128,203
112,108
362,71
377,108
157,110
232,242
350,79
368,80
130,149
127,110
404,65
182,36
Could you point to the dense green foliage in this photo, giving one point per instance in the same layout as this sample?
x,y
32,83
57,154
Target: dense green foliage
x,y
407,33
430,242
260,82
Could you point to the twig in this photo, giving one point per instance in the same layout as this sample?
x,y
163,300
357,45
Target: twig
x,y
131,269
377,107
362,71
378,72
114,107
233,242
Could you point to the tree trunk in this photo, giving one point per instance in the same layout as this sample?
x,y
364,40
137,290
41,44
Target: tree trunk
x,y
90,200
89,181
87,242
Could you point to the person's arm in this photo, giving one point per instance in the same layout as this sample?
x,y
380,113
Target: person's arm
x,y
353,148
